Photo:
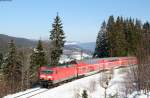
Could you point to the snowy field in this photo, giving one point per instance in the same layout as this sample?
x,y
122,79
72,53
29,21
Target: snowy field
x,y
91,84
139,95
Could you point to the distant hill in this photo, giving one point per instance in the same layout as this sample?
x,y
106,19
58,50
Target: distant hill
x,y
20,42
88,46
27,43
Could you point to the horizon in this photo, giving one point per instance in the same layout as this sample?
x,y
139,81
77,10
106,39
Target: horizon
x,y
67,42
81,19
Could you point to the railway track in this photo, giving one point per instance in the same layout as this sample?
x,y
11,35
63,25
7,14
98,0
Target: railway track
x,y
31,93
38,91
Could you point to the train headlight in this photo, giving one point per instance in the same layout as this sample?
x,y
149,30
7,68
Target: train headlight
x,y
49,77
42,76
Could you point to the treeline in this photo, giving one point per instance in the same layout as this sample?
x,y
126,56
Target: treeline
x,y
119,37
127,37
19,66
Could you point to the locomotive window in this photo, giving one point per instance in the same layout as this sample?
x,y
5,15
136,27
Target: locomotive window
x,y
47,71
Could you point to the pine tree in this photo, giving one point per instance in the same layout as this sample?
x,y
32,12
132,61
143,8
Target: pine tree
x,y
41,60
130,35
145,43
122,37
133,34
57,38
84,94
1,59
137,36
146,27
12,67
125,30
38,59
119,38
101,49
110,35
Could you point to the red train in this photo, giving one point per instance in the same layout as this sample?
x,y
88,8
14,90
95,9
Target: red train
x,y
53,75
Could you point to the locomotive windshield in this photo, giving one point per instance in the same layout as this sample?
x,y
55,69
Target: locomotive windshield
x,y
47,71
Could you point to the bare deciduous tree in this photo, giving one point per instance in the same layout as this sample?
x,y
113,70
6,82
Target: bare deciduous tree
x,y
104,81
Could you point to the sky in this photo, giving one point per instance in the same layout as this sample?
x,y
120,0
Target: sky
x,y
81,18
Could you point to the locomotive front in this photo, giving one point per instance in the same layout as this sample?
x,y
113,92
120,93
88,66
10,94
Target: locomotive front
x,y
45,76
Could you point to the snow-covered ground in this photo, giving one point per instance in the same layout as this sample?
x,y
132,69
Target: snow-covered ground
x,y
71,43
74,56
91,84
141,94
30,91
75,88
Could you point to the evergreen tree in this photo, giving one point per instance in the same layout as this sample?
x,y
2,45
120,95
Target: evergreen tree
x,y
38,59
41,59
130,35
12,68
57,38
133,35
146,38
146,27
122,37
1,59
84,94
101,49
119,38
125,30
137,36
110,35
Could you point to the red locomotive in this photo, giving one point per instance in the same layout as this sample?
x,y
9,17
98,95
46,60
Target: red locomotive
x,y
53,75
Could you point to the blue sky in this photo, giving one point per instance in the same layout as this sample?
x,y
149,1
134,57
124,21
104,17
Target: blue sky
x,y
81,18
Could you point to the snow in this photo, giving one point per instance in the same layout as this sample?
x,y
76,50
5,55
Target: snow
x,y
71,43
64,58
23,92
74,56
79,57
91,83
75,88
137,94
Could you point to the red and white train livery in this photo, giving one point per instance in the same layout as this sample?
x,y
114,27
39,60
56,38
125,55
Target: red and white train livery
x,y
53,75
